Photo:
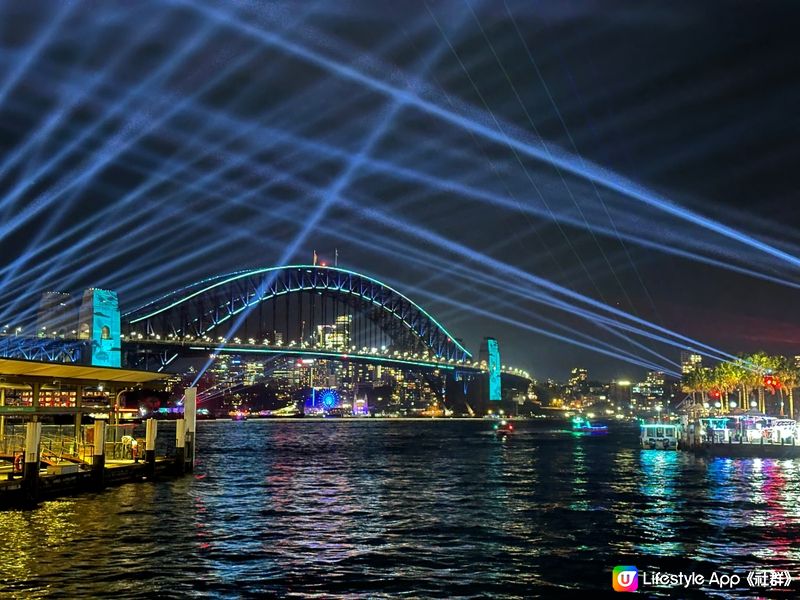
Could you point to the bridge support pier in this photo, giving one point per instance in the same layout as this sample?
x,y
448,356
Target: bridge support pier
x,y
151,431
30,474
99,454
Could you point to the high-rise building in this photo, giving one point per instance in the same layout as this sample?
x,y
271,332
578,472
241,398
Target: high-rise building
x,y
336,336
690,362
56,316
99,321
619,393
254,372
652,387
285,374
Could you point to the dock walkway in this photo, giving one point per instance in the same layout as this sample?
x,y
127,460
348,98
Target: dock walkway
x,y
13,491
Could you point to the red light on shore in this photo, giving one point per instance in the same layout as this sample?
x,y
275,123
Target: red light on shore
x,y
771,381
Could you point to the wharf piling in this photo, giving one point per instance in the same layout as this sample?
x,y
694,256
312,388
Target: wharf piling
x,y
180,446
30,472
99,454
190,414
151,431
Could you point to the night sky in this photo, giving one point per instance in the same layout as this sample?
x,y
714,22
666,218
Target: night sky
x,y
472,155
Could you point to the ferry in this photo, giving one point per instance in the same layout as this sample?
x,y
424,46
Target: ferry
x,y
659,436
583,425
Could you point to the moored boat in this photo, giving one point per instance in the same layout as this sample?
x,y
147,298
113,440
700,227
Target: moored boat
x,y
659,436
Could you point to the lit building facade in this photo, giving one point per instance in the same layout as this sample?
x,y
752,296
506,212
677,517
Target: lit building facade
x,y
690,362
335,337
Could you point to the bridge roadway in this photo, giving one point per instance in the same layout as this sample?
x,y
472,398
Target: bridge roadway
x,y
175,348
167,350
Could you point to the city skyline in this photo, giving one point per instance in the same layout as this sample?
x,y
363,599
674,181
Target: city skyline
x,y
531,207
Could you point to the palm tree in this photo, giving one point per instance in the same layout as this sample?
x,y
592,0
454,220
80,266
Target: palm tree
x,y
726,377
742,376
696,382
703,381
689,385
788,375
760,365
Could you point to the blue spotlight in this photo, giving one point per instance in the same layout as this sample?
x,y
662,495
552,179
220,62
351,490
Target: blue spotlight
x,y
561,159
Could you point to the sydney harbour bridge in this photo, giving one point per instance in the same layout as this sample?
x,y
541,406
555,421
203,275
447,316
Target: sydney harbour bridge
x,y
300,310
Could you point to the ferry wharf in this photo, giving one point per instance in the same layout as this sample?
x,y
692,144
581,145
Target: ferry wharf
x,y
41,458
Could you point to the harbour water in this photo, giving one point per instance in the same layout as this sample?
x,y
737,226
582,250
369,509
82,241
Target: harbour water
x,y
381,508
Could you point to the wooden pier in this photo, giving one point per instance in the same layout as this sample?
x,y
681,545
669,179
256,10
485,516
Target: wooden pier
x,y
743,450
766,437
15,492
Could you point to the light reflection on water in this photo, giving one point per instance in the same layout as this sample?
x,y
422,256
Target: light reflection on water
x,y
376,509
659,521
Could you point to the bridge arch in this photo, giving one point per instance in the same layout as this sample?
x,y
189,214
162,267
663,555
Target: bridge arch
x,y
322,295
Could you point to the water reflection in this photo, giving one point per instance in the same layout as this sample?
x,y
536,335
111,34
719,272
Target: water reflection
x,y
380,509
660,473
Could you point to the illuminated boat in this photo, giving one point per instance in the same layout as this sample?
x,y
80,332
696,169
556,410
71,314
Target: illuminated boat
x,y
659,436
503,427
583,425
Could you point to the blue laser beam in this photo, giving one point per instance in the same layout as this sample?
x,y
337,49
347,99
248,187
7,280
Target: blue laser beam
x,y
558,158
